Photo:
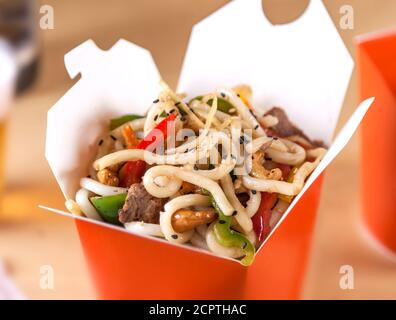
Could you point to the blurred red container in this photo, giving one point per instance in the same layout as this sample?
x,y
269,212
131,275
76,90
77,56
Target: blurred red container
x,y
377,77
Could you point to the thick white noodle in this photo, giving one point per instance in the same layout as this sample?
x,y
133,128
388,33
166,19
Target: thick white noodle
x,y
220,250
256,145
294,156
227,164
241,217
82,199
204,115
150,123
171,207
198,241
100,188
282,187
166,104
201,230
253,203
147,229
190,144
190,157
217,173
179,174
277,213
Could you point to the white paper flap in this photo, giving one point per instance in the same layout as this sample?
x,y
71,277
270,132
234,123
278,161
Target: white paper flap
x,y
302,66
121,80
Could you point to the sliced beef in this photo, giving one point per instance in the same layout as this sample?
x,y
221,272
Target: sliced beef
x,y
243,198
285,128
140,206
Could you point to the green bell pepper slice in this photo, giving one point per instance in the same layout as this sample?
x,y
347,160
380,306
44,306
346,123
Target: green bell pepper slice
x,y
117,122
230,238
108,206
222,104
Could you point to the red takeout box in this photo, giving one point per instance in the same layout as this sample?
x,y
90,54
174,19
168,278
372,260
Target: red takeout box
x,y
377,76
302,66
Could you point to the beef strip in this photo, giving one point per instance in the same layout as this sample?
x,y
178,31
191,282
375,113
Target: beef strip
x,y
140,206
285,128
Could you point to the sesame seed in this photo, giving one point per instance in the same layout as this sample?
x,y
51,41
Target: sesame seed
x,y
100,142
222,94
173,110
276,138
256,127
175,236
244,245
112,137
186,151
254,191
89,176
222,222
242,140
238,95
195,167
234,213
156,117
177,103
156,101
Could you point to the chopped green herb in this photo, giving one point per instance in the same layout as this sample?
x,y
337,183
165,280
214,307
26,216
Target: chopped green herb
x,y
117,122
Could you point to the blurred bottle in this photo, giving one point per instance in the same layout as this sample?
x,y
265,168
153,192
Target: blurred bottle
x,y
18,25
8,74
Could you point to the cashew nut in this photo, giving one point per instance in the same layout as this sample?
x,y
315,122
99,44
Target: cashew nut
x,y
108,177
184,220
258,170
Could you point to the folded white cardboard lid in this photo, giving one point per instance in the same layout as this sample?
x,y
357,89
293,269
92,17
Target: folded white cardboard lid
x,y
303,67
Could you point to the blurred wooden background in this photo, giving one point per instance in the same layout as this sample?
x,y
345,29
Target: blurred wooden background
x,y
30,238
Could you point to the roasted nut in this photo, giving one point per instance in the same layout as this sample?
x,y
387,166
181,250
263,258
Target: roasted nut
x,y
188,188
260,172
115,167
108,177
184,220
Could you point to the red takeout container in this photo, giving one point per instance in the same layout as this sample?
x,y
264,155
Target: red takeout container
x,y
302,66
377,76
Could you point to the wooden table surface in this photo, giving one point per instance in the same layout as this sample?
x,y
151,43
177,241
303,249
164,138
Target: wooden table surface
x,y
31,237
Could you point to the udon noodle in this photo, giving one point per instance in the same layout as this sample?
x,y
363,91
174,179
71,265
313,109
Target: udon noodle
x,y
202,173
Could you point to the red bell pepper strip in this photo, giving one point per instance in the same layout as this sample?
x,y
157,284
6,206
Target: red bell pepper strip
x,y
158,135
261,220
133,171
